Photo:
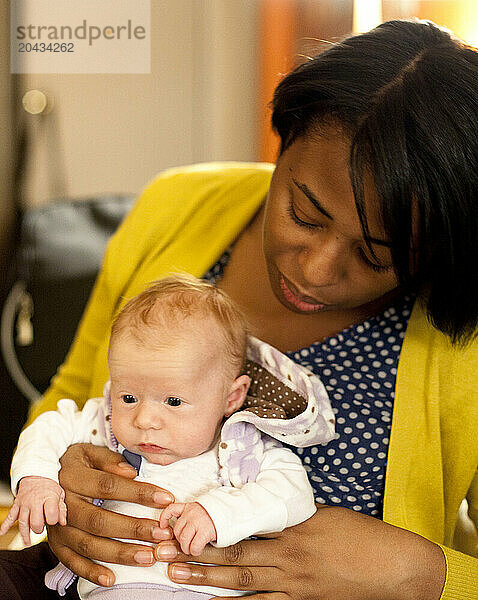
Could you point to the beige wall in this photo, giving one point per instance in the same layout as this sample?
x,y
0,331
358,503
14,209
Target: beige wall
x,y
6,135
112,133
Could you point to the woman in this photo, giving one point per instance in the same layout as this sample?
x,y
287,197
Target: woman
x,y
368,231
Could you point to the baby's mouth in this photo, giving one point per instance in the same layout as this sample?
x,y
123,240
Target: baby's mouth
x,y
151,448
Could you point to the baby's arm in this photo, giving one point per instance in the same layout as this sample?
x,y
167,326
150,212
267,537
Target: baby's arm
x,y
36,463
280,497
43,443
193,529
39,500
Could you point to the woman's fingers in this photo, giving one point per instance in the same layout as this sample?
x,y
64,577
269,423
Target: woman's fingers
x,y
77,549
84,515
84,478
265,596
306,561
242,566
259,552
77,563
106,550
238,578
103,459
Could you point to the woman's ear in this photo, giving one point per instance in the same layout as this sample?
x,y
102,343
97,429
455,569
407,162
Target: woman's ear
x,y
237,394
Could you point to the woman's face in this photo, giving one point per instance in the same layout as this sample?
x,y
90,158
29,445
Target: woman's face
x,y
315,253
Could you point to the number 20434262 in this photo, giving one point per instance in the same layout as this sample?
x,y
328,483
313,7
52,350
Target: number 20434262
x,y
43,47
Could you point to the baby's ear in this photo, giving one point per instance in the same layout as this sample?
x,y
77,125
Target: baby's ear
x,y
237,394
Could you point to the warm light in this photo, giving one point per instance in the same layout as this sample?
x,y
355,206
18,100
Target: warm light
x,y
461,16
467,26
367,14
470,35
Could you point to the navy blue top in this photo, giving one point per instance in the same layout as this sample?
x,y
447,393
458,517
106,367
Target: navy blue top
x,y
358,368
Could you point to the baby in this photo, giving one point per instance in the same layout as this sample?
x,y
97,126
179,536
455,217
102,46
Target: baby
x,y
176,361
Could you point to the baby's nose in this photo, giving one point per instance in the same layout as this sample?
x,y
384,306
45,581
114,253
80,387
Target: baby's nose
x,y
148,418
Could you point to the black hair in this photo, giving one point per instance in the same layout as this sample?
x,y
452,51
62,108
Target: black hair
x,y
406,95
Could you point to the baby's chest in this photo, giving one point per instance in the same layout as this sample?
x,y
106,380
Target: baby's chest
x,y
185,489
185,484
185,480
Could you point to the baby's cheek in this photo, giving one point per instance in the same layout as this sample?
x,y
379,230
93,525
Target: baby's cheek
x,y
201,441
119,431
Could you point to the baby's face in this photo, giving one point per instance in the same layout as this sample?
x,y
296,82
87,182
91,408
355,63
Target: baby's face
x,y
168,403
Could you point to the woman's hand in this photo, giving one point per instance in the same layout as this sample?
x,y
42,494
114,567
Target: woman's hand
x,y
89,472
337,554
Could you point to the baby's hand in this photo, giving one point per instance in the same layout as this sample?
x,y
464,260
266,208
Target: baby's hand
x,y
38,499
194,527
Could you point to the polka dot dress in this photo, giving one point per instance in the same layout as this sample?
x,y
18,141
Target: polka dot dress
x,y
358,368
217,270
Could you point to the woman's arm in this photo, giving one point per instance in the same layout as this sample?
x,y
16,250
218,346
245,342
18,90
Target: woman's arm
x,y
337,553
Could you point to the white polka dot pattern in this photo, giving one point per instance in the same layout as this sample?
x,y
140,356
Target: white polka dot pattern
x,y
358,368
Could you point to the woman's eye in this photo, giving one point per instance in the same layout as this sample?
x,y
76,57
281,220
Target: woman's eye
x,y
128,398
377,268
295,217
173,401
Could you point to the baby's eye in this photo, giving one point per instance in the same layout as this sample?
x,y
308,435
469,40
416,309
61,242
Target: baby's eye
x,y
128,398
173,401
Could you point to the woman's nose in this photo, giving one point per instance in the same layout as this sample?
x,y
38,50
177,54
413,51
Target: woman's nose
x,y
323,264
147,417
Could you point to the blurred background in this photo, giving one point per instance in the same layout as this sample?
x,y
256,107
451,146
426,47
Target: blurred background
x,y
214,65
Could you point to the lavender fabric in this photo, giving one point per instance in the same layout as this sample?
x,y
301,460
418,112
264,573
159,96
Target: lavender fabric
x,y
240,454
146,591
60,578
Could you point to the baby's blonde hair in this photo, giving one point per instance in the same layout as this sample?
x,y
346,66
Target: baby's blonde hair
x,y
169,302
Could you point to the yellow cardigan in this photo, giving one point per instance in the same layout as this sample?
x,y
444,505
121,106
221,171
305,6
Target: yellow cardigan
x,y
184,220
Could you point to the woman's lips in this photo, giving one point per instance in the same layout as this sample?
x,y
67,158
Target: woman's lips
x,y
302,303
151,448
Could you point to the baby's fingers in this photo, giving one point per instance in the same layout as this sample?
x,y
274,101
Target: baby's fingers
x,y
198,544
51,511
24,525
185,537
10,520
164,518
172,510
63,511
37,518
